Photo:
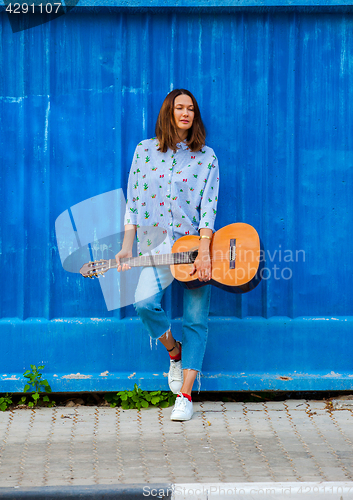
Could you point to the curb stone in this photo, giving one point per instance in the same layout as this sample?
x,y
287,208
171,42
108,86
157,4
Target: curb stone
x,y
341,490
94,492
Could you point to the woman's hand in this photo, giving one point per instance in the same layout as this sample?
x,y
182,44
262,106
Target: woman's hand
x,y
202,265
121,255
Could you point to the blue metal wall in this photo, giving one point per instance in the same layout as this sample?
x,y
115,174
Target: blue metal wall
x,y
275,88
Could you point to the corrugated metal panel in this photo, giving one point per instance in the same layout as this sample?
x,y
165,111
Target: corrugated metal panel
x,y
77,95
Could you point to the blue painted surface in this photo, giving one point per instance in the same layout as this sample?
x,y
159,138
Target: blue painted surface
x,y
199,4
242,354
76,96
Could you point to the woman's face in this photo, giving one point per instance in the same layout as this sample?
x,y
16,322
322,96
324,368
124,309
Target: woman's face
x,y
183,114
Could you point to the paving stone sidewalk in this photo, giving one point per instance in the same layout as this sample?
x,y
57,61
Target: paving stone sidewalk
x,y
293,440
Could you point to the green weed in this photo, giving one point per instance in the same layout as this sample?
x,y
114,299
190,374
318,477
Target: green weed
x,y
36,385
5,402
137,399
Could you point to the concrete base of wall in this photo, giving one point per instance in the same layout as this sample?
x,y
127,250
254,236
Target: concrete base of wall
x,y
279,354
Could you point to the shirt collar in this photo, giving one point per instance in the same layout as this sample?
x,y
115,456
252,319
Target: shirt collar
x,y
182,145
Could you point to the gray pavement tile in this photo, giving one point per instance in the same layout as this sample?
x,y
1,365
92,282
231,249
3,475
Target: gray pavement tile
x,y
159,479
187,478
318,412
234,477
184,468
251,445
56,481
295,404
253,407
196,405
338,404
233,407
135,479
77,481
207,479
274,405
335,474
8,483
316,405
209,406
260,477
212,472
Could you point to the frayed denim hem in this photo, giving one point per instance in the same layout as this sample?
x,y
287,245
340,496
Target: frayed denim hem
x,y
169,329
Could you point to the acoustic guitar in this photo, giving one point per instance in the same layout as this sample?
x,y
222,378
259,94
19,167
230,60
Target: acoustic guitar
x,y
235,252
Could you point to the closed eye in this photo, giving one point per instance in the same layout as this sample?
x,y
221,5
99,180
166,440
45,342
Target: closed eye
x,y
180,107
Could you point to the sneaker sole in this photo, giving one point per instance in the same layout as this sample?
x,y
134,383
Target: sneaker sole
x,y
180,419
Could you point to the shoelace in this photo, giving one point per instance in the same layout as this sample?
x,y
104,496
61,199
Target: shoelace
x,y
180,402
175,371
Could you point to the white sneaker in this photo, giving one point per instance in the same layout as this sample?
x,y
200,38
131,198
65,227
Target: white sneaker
x,y
182,409
175,376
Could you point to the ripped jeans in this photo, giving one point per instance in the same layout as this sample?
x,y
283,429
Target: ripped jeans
x,y
196,303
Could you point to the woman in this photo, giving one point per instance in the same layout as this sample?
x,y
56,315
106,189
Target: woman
x,y
173,184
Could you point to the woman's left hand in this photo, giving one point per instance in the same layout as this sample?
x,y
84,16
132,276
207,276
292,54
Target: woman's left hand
x,y
202,265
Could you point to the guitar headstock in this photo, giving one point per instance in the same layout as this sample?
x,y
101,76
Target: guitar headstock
x,y
94,269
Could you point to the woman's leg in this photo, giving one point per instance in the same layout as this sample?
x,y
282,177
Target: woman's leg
x,y
195,331
148,297
188,382
170,344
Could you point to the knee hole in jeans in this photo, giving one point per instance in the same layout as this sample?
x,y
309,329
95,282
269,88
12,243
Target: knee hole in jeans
x,y
145,305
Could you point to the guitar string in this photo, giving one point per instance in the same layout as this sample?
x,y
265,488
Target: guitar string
x,y
176,258
114,265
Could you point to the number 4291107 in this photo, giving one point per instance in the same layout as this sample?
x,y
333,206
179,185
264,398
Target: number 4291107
x,y
24,8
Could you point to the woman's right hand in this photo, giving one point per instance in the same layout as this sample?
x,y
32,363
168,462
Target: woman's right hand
x,y
121,255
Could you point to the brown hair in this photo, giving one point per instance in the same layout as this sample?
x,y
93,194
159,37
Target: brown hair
x,y
166,130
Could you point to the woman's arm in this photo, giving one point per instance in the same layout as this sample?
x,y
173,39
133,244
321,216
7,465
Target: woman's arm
x,y
208,210
208,207
126,249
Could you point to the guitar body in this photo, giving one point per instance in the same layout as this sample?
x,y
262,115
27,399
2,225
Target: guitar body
x,y
236,259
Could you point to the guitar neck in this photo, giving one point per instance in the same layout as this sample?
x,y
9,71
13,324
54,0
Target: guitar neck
x,y
156,260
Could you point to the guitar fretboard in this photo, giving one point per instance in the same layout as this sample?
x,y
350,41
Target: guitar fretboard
x,y
166,259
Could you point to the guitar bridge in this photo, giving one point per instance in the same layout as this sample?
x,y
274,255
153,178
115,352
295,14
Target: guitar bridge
x,y
232,253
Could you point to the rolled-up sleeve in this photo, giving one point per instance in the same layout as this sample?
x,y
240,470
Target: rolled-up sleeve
x,y
208,207
131,211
